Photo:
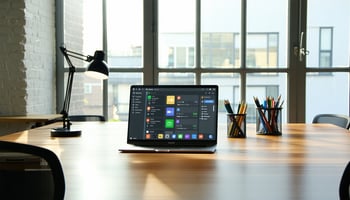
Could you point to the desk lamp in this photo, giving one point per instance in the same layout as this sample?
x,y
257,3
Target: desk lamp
x,y
96,69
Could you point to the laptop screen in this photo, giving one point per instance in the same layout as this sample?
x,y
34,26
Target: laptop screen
x,y
173,115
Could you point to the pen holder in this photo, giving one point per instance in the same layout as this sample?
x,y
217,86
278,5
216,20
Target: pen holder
x,y
236,125
269,121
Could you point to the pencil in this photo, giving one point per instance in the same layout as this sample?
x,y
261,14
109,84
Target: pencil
x,y
228,106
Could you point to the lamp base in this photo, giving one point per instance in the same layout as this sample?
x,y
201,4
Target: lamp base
x,y
65,132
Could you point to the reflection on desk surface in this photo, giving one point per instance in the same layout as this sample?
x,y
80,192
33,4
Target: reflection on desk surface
x,y
305,162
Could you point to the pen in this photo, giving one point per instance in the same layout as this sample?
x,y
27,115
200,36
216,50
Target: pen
x,y
265,123
278,101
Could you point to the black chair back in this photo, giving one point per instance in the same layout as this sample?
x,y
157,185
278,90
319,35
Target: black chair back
x,y
345,184
30,172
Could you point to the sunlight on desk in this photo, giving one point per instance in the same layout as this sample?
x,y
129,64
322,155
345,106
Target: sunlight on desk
x,y
305,159
156,188
22,138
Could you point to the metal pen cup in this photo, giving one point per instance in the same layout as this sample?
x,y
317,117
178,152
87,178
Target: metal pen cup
x,y
236,125
269,121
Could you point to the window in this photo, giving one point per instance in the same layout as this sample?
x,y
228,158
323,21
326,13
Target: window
x,y
327,65
262,50
125,47
176,34
246,50
179,57
326,38
219,50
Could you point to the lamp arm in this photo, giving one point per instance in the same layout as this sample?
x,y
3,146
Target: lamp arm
x,y
67,97
76,55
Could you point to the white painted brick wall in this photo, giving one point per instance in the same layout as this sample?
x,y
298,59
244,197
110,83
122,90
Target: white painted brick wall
x,y
39,56
27,59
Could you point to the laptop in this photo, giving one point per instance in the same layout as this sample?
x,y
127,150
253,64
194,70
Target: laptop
x,y
172,119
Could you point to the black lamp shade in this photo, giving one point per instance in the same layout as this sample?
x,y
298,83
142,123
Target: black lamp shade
x,y
98,67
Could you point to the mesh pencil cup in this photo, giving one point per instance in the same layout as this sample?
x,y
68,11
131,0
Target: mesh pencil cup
x,y
269,121
236,125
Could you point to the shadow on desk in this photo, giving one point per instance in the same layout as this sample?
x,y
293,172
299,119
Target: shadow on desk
x,y
163,178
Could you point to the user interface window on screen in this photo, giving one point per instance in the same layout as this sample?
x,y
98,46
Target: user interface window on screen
x,y
179,114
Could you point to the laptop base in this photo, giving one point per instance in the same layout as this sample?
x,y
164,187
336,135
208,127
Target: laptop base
x,y
139,149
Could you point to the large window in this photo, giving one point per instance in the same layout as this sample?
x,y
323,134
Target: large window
x,y
248,48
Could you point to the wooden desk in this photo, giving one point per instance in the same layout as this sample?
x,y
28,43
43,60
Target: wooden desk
x,y
306,162
30,118
31,121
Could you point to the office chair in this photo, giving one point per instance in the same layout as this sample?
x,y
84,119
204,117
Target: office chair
x,y
336,119
83,118
344,192
30,172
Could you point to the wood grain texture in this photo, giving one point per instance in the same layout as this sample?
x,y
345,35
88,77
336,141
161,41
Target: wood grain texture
x,y
305,163
29,118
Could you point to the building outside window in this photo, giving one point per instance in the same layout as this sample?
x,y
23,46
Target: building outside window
x,y
149,43
326,38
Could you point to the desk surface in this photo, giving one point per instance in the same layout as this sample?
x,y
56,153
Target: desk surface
x,y
29,118
306,162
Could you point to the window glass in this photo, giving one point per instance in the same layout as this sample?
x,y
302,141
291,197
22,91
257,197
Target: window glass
x,y
176,79
119,92
327,94
125,33
220,50
220,42
86,97
262,50
328,35
83,34
266,34
176,33
82,28
328,42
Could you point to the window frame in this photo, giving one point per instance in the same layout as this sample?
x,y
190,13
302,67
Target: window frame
x,y
296,71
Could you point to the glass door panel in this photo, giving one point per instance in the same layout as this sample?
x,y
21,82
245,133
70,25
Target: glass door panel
x,y
328,41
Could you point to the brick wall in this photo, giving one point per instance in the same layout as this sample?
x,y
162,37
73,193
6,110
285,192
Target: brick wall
x,y
12,46
27,61
39,56
73,36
